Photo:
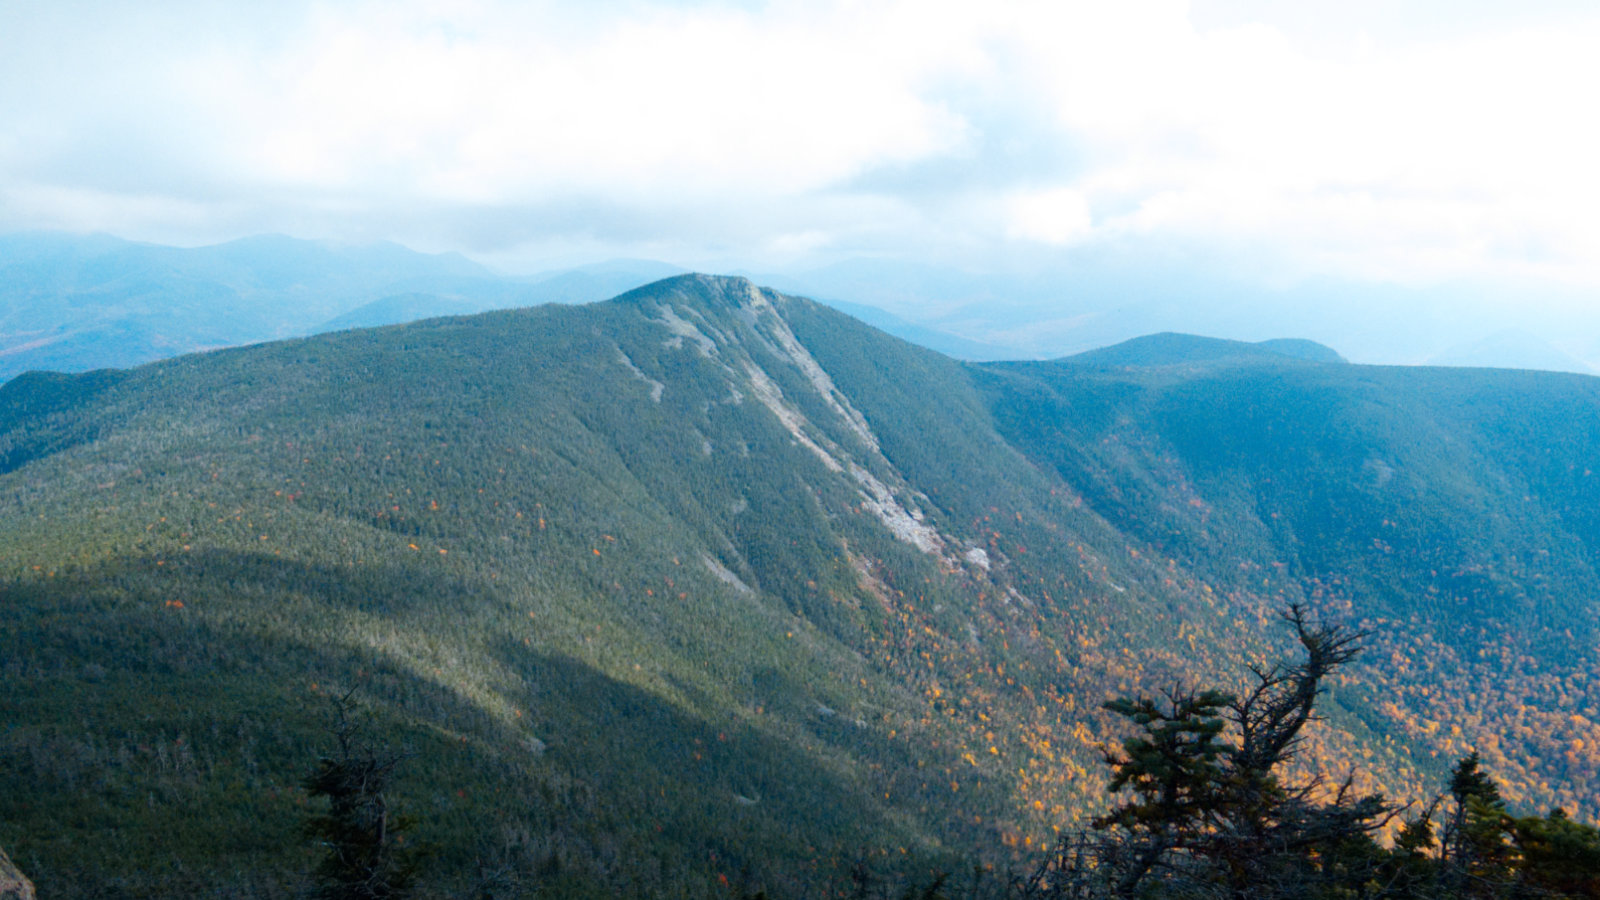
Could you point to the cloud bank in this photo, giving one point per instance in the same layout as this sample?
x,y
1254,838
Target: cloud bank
x,y
1347,140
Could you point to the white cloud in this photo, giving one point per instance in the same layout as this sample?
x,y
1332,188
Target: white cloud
x,y
1426,161
1057,216
671,104
1361,143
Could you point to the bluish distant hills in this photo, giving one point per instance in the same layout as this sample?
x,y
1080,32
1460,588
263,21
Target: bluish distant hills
x,y
1169,349
73,303
1511,349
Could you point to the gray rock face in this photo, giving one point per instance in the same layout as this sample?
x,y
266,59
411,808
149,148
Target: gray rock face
x,y
13,884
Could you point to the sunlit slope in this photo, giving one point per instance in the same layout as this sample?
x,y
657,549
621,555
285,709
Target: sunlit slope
x,y
706,579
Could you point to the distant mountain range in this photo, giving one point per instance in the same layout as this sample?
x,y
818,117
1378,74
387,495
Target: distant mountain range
x,y
76,303
1169,349
1512,349
73,303
707,586
70,303
1100,295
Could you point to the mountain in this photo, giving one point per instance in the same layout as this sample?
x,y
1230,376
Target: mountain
x,y
398,309
1512,349
598,281
941,342
1169,349
944,342
74,303
1066,301
1300,348
71,303
710,585
585,284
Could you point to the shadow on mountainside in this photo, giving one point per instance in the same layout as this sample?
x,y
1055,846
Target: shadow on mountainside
x,y
154,749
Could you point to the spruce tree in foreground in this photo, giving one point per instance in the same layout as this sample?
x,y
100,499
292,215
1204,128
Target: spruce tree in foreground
x,y
1207,812
1210,812
362,840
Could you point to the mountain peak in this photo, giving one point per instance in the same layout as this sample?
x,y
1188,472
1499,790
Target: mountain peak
x,y
725,290
1169,348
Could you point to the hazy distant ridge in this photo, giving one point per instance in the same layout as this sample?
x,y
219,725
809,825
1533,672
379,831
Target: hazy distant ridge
x,y
1171,349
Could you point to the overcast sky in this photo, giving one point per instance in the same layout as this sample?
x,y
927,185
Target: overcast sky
x,y
1390,141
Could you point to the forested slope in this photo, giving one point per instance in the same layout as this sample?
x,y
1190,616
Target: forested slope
x,y
709,582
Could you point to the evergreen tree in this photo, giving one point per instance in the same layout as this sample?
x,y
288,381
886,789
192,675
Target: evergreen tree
x,y
1560,857
1476,850
1210,814
1171,768
364,858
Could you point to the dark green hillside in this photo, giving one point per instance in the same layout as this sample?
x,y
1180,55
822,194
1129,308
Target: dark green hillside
x,y
568,529
709,582
1450,510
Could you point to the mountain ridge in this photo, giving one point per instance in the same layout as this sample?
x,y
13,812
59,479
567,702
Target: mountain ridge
x,y
624,567
1169,348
